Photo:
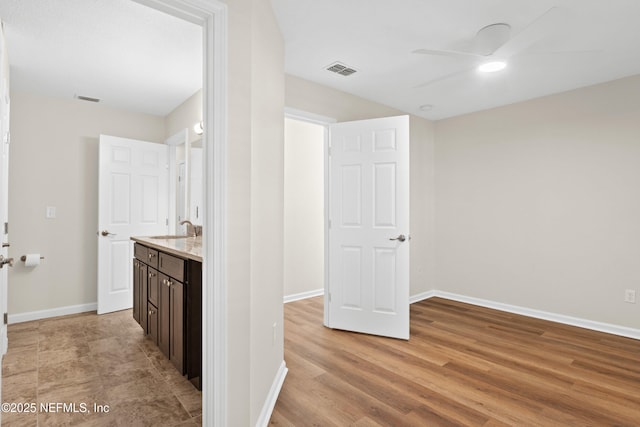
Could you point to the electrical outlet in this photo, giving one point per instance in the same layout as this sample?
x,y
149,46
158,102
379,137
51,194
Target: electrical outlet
x,y
630,296
51,212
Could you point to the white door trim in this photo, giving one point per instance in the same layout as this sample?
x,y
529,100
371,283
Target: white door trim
x,y
212,15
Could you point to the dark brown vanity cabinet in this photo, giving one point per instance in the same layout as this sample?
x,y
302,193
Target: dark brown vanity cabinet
x,y
170,289
140,310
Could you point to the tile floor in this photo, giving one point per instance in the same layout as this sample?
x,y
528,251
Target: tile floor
x,y
86,359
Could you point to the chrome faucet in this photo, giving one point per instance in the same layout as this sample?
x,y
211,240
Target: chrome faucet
x,y
191,229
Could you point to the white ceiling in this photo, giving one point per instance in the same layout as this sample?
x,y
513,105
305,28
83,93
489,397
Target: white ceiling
x,y
126,54
377,37
136,58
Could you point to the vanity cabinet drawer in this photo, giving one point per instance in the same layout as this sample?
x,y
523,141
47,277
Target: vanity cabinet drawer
x,y
171,266
152,257
141,252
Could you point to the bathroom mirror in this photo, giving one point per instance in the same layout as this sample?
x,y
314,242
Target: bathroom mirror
x,y
185,185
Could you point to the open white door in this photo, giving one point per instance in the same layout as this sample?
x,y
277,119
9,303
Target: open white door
x,y
368,271
5,261
133,201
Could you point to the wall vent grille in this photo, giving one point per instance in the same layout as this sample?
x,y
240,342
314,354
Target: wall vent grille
x,y
87,98
341,69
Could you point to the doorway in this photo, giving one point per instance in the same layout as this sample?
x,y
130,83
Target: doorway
x,y
212,16
359,170
304,207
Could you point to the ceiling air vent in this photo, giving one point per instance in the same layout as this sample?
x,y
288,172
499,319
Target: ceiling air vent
x,y
87,98
341,69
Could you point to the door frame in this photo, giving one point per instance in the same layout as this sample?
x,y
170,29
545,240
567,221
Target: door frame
x,y
324,121
212,15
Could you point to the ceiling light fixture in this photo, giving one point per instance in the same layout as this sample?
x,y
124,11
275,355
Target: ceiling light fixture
x,y
492,66
426,107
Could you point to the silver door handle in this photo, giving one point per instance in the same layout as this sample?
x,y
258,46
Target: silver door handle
x,y
401,238
4,261
106,233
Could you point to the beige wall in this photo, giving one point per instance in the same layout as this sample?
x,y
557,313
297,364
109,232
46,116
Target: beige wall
x,y
255,207
54,162
303,207
267,203
314,98
537,203
185,115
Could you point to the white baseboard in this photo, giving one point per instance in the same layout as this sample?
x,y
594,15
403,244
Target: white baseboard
x,y
538,314
422,296
53,312
303,295
270,402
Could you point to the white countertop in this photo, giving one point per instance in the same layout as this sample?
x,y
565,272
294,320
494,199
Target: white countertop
x,y
184,247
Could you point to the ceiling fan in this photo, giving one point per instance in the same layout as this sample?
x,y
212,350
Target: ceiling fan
x,y
494,44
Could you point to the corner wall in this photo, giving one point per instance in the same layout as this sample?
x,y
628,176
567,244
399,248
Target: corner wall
x,y
537,203
254,210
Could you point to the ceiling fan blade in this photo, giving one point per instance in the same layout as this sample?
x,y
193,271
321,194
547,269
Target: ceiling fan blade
x,y
538,29
567,52
447,53
442,78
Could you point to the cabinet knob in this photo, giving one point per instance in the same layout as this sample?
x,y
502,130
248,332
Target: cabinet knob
x,y
169,283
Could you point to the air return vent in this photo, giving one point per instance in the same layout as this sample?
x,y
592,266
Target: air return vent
x,y
341,69
86,98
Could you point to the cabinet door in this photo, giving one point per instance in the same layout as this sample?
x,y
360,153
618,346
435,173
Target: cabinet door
x,y
152,286
176,330
152,316
193,319
136,290
164,308
143,298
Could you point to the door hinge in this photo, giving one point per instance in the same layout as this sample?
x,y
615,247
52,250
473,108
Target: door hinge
x,y
6,319
6,228
166,221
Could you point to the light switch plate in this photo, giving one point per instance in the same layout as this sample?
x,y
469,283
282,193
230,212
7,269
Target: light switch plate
x,y
51,212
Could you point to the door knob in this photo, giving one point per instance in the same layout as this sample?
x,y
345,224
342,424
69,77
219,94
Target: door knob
x,y
106,233
4,261
401,238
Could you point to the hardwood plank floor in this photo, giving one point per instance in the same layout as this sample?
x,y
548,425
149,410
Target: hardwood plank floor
x,y
464,365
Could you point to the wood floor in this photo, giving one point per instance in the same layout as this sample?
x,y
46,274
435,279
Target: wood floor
x,y
464,366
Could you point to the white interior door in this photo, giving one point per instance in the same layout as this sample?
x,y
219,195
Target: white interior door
x,y
4,192
133,201
4,195
368,271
